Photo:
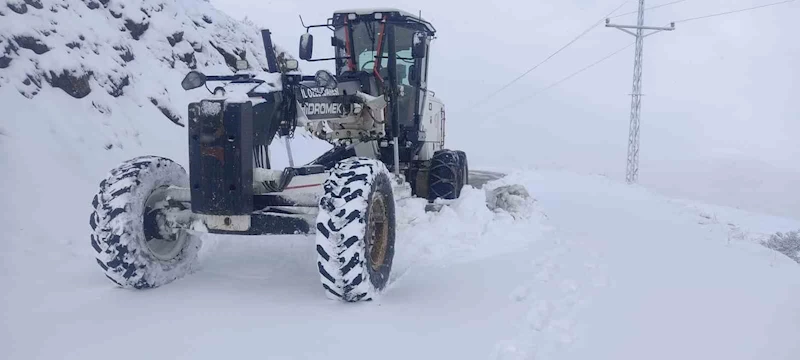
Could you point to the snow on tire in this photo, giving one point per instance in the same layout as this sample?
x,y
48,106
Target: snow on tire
x,y
356,230
131,250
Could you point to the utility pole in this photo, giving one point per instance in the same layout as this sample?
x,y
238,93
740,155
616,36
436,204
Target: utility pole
x,y
632,173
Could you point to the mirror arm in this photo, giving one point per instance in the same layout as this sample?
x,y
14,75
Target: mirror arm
x,y
324,59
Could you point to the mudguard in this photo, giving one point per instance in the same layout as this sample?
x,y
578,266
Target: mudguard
x,y
221,157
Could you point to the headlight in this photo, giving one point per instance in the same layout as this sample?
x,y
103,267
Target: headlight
x,y
325,79
291,64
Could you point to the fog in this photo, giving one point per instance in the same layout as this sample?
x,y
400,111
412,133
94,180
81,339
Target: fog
x,y
719,119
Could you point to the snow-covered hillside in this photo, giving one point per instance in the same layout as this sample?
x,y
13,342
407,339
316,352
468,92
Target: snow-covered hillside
x,y
87,84
594,270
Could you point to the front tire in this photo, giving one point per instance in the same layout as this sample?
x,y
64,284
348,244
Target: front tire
x,y
356,230
135,249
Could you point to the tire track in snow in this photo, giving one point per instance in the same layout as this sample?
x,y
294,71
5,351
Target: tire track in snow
x,y
564,278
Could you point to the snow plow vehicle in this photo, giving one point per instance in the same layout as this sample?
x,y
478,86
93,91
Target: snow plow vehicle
x,y
386,129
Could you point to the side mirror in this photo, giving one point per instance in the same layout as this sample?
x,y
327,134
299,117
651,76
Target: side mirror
x,y
193,80
418,45
306,46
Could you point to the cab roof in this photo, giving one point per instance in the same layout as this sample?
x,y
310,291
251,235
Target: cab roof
x,y
392,12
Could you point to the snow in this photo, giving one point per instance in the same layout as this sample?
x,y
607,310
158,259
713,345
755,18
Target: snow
x,y
304,40
208,108
367,11
261,175
587,269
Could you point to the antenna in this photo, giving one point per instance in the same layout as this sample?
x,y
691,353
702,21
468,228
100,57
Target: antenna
x,y
303,23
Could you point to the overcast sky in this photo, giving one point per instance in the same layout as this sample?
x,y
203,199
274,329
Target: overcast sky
x,y
719,88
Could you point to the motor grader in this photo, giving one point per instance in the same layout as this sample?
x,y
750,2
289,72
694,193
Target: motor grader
x,y
386,129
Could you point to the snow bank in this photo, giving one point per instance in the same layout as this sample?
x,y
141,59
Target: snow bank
x,y
465,230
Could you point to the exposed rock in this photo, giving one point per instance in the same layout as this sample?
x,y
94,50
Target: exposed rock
x,y
207,19
29,79
17,7
169,60
175,38
135,28
73,84
189,60
117,85
35,3
115,14
32,84
101,108
124,53
91,4
168,113
104,2
31,43
5,58
74,45
230,59
242,54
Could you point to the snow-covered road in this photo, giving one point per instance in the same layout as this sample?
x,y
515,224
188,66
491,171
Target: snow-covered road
x,y
639,276
606,272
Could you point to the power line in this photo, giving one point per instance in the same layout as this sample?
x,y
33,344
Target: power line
x,y
485,99
586,68
570,76
735,11
598,62
650,8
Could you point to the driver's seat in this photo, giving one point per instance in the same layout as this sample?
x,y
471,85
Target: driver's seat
x,y
365,79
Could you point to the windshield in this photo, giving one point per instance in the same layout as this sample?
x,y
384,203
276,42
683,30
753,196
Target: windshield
x,y
366,42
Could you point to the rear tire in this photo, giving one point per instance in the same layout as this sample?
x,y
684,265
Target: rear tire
x,y
356,230
462,156
445,175
133,249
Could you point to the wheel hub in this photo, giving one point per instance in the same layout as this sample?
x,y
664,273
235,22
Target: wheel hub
x,y
164,221
377,232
